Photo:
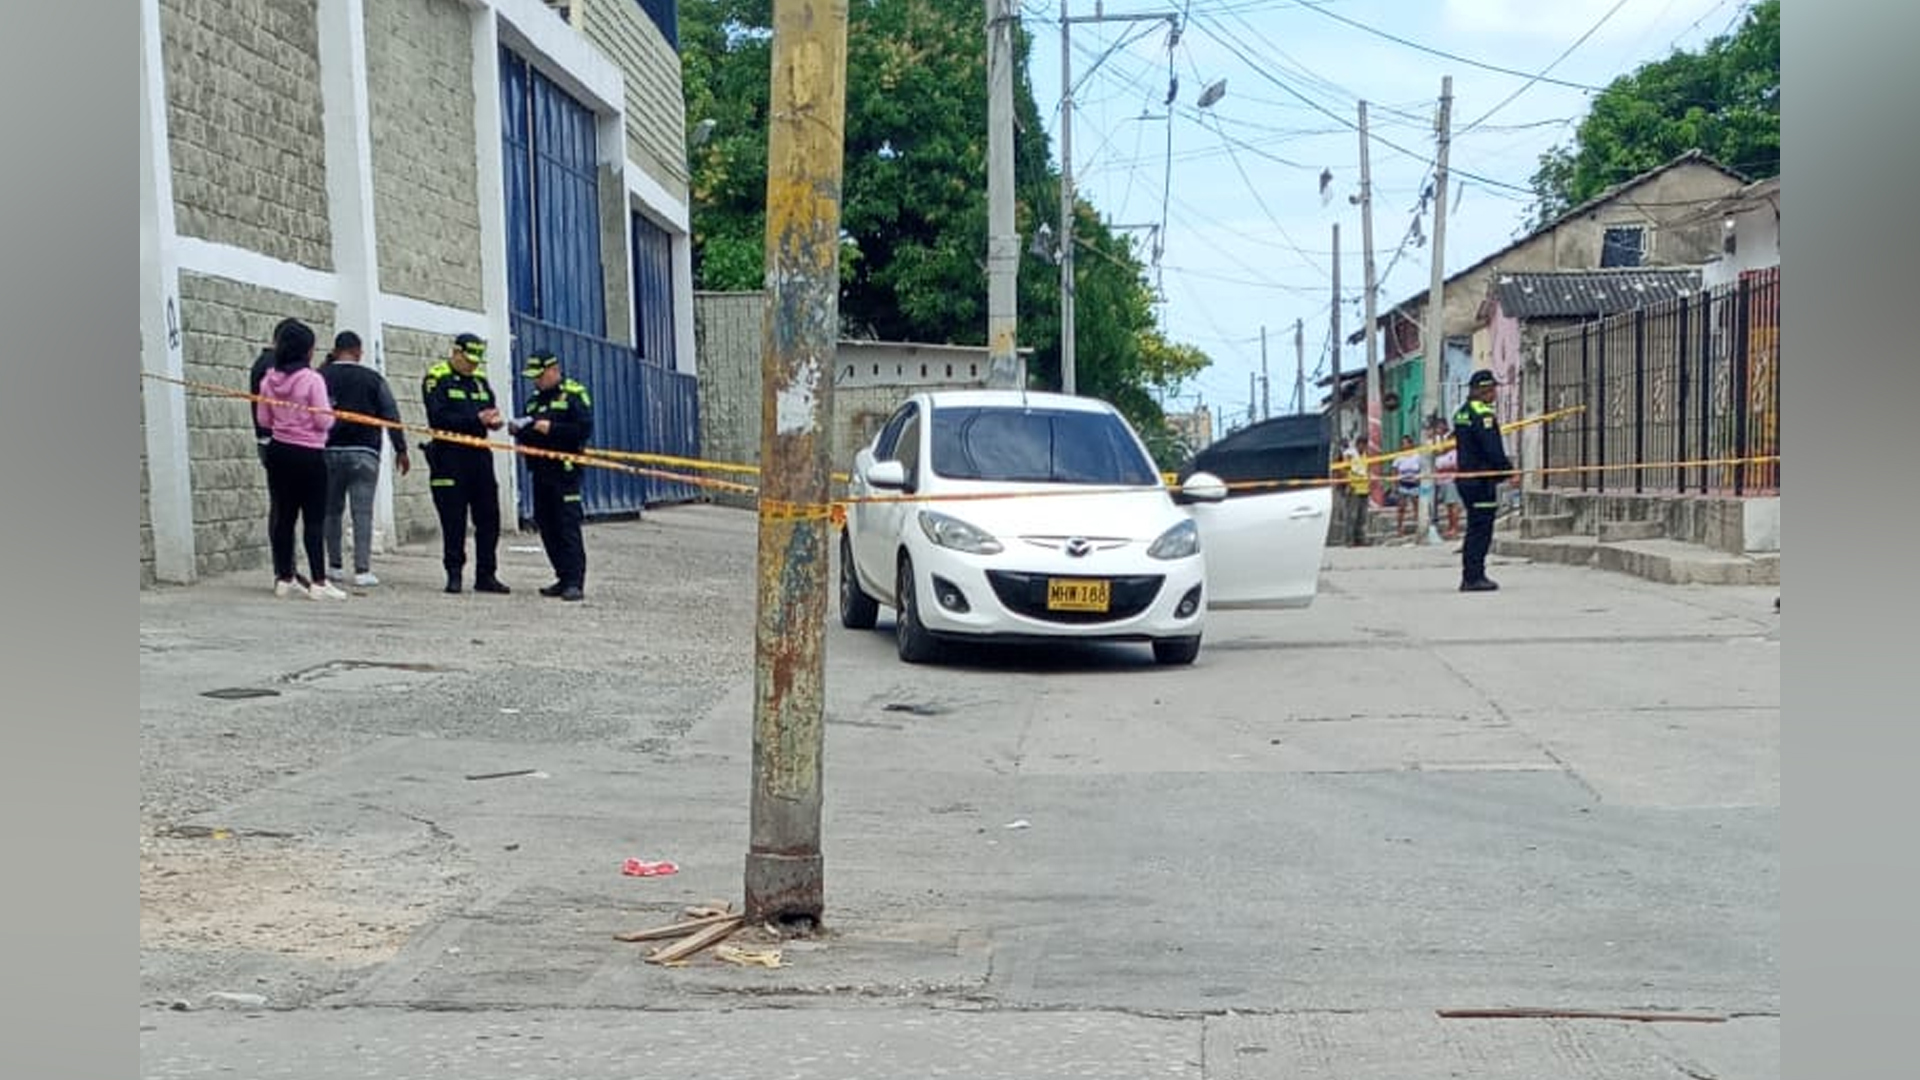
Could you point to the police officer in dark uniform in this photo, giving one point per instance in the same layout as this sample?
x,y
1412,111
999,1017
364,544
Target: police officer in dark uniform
x,y
1476,439
559,418
459,400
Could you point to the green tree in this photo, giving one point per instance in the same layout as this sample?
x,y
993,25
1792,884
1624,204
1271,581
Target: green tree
x,y
913,195
1723,100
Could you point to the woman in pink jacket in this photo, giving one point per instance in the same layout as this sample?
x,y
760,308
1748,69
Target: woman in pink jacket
x,y
297,412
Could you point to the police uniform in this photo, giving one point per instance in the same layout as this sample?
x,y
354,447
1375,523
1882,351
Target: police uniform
x,y
461,476
1476,439
568,410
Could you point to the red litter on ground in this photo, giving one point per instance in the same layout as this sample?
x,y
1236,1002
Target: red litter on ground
x,y
643,868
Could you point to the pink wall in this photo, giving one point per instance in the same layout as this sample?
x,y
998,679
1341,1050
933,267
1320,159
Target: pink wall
x,y
1505,355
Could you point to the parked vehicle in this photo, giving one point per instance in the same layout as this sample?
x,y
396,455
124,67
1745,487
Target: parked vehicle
x,y
1010,515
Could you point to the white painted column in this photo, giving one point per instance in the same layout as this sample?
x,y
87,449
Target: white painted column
x,y
347,122
490,156
169,468
685,355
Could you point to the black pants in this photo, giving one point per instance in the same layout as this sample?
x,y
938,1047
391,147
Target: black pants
x,y
297,489
1358,507
1481,497
463,484
557,511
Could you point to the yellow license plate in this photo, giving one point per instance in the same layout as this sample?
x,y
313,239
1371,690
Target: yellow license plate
x,y
1070,594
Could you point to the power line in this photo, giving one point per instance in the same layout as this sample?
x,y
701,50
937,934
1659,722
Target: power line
x,y
1318,10
1228,44
1530,83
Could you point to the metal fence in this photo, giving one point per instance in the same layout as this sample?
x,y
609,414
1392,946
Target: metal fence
x,y
1668,388
637,406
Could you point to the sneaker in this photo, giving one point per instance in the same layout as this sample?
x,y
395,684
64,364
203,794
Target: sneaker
x,y
492,585
365,577
1483,585
572,592
284,589
327,590
554,589
335,573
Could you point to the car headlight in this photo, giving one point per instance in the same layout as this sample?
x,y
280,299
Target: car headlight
x,y
1178,542
951,532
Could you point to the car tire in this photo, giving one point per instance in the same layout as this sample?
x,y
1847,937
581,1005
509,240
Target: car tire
x,y
1176,651
914,642
858,611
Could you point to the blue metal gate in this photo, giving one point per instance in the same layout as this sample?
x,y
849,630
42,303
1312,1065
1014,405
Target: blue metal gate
x,y
553,200
637,406
653,291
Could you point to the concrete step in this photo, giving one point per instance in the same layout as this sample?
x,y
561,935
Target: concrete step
x,y
1614,532
1541,526
1669,562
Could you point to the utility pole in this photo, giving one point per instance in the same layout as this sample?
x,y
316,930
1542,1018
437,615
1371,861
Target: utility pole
x,y
1300,354
806,143
1067,362
1266,388
1003,243
1066,205
1372,436
1299,372
1334,340
1253,396
1436,345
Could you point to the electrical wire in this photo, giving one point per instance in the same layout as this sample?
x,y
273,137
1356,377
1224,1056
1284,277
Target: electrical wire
x,y
1568,51
1455,57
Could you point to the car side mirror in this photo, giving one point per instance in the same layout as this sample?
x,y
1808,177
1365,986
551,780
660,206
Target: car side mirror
x,y
888,475
1203,487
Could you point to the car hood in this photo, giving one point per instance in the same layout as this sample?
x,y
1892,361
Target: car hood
x,y
1049,511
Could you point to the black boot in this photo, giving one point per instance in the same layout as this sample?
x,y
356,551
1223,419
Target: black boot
x,y
490,584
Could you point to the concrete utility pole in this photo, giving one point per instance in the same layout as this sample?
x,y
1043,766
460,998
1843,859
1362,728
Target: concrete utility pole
x,y
1372,435
1333,342
1436,344
1003,243
1300,348
806,143
1299,375
1067,358
1266,388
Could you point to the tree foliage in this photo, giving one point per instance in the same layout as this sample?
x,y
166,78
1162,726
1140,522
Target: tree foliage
x,y
1723,100
914,196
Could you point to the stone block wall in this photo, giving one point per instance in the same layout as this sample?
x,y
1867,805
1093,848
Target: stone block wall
x,y
656,109
225,325
408,354
244,124
425,172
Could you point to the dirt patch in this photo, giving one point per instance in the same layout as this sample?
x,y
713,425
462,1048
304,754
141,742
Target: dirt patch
x,y
252,893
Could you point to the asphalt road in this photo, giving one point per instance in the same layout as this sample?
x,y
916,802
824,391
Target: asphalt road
x,y
1289,860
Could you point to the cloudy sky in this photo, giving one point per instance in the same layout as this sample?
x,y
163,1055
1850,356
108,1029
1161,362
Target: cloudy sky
x,y
1245,233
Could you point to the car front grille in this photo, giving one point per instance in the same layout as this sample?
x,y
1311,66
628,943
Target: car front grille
x,y
1026,594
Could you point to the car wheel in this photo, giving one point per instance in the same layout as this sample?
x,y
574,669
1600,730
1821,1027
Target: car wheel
x,y
858,611
916,645
1180,650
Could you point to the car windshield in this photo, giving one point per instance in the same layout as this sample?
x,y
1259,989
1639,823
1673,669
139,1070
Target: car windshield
x,y
1056,446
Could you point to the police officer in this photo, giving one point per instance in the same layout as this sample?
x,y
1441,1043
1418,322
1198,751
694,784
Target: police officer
x,y
460,400
1476,438
559,418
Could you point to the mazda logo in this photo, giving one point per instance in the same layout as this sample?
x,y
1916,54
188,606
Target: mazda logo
x,y
1078,547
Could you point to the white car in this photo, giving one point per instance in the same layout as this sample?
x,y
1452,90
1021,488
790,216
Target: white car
x,y
1009,515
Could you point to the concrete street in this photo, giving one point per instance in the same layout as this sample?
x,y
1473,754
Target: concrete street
x,y
1283,862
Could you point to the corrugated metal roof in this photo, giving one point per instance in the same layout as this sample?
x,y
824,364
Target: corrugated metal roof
x,y
1567,294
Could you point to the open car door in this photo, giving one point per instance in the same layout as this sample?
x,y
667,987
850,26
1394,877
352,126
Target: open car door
x,y
1263,550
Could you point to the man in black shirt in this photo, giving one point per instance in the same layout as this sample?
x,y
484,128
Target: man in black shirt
x,y
353,452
